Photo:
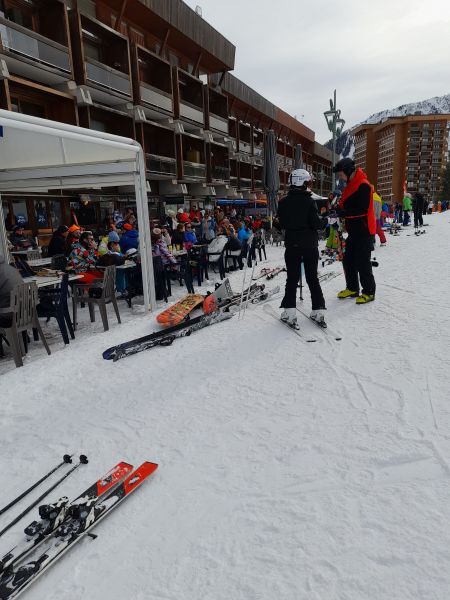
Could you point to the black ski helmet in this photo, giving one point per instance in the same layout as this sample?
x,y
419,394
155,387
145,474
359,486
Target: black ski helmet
x,y
346,165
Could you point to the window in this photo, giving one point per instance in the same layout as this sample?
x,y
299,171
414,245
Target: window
x,y
28,108
40,211
21,12
20,212
55,213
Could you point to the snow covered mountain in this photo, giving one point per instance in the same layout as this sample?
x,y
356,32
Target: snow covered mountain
x,y
435,105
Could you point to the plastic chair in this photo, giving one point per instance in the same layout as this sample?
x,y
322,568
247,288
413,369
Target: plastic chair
x,y
198,261
53,303
216,251
99,293
22,309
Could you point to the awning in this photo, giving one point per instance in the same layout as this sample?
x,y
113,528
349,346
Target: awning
x,y
37,155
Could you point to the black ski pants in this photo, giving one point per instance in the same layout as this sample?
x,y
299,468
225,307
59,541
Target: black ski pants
x,y
357,264
294,256
418,219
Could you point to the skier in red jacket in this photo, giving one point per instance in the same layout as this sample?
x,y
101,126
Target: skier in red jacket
x,y
356,207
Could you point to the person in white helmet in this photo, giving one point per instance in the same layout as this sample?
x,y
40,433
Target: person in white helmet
x,y
298,216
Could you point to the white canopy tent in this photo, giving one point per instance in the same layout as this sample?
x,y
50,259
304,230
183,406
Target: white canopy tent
x,y
37,155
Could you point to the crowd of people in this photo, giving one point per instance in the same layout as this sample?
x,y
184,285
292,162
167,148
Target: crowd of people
x,y
85,251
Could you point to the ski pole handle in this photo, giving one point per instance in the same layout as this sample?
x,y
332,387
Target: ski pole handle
x,y
67,459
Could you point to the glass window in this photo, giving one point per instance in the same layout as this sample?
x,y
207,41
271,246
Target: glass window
x,y
20,212
5,214
40,211
55,213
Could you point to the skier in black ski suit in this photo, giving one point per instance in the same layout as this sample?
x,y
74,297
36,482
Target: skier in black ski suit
x,y
298,216
418,204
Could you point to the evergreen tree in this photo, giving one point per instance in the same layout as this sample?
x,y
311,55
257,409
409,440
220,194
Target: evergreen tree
x,y
445,183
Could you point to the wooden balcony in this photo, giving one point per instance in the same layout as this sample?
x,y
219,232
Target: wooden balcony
x,y
152,84
39,52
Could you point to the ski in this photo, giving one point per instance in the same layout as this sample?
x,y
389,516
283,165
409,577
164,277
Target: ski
x,y
165,337
52,515
325,328
264,271
67,459
275,272
272,312
258,298
83,516
328,276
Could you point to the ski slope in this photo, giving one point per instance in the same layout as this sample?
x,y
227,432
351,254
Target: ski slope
x,y
287,470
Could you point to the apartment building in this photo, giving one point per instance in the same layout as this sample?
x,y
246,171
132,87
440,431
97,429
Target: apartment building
x,y
400,152
154,71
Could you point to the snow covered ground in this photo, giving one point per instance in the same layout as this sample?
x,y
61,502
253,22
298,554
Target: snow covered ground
x,y
287,470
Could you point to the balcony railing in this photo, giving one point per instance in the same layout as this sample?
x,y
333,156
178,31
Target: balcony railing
x,y
245,147
28,43
107,77
221,173
194,170
161,165
258,184
191,112
258,151
155,97
218,123
245,183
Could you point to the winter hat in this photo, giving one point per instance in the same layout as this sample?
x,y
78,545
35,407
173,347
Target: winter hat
x,y
73,228
131,252
157,231
180,210
171,213
113,236
17,227
62,229
127,226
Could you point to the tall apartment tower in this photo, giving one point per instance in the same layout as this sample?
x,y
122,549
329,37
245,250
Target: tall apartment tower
x,y
409,151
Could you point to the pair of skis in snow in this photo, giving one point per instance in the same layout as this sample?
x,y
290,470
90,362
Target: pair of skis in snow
x,y
268,309
64,524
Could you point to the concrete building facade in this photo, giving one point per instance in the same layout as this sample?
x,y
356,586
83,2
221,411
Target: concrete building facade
x,y
154,71
404,153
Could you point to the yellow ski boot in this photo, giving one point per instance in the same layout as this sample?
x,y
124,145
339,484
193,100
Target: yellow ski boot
x,y
347,294
365,298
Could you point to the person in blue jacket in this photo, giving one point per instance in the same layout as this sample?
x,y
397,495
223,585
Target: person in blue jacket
x,y
244,234
129,239
189,237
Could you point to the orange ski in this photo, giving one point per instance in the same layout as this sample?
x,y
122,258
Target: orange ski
x,y
180,310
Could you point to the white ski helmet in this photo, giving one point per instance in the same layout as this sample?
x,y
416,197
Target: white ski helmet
x,y
298,177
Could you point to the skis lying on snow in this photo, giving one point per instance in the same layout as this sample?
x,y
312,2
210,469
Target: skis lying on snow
x,y
269,273
83,515
323,327
328,276
165,337
268,309
258,297
52,515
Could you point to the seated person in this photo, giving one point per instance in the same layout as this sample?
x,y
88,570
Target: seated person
x,y
189,237
57,244
113,255
9,279
129,239
19,240
182,216
159,248
112,236
83,258
178,235
195,214
72,238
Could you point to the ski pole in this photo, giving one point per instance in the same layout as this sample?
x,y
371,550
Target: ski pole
x,y
67,459
83,461
247,298
301,282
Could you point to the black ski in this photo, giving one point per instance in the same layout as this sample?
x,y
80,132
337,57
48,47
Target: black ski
x,y
165,337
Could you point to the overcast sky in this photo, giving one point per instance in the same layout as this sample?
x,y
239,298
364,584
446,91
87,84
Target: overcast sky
x,y
377,54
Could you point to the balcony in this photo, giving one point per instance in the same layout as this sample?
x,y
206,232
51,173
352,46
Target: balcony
x,y
32,55
161,167
218,112
101,60
245,183
191,100
152,84
220,173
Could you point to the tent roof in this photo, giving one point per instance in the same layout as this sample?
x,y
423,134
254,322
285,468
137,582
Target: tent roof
x,y
38,155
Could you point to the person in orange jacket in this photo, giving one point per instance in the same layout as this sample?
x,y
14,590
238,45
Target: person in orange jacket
x,y
356,207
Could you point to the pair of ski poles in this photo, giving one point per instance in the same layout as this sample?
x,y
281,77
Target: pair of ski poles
x,y
67,459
